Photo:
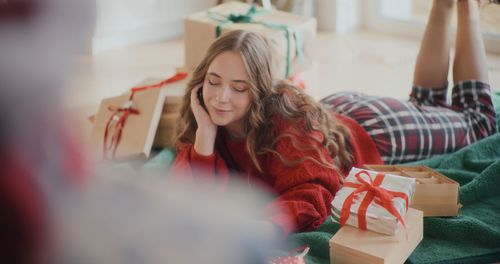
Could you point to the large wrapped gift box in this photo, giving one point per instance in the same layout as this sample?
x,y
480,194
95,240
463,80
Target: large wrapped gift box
x,y
435,194
373,201
201,30
356,246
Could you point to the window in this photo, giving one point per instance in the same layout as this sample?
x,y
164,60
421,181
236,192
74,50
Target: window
x,y
408,17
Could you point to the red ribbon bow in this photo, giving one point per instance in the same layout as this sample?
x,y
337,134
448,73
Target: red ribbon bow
x,y
120,115
374,192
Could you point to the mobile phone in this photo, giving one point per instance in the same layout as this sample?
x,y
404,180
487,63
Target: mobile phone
x,y
200,98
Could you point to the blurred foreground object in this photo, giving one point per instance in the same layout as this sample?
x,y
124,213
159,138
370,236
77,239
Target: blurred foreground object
x,y
130,219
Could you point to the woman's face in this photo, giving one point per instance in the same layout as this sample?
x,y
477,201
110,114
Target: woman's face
x,y
226,92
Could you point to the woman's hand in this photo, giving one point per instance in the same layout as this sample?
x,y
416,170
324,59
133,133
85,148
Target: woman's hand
x,y
207,130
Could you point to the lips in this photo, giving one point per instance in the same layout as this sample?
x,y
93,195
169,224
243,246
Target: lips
x,y
221,110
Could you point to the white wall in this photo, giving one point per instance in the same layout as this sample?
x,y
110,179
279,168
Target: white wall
x,y
122,23
339,16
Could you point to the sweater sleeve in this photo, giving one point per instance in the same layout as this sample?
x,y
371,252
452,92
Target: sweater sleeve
x,y
306,190
192,166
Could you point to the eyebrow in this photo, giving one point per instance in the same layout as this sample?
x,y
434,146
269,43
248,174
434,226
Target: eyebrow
x,y
218,76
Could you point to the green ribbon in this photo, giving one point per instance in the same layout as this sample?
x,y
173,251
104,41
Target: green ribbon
x,y
248,17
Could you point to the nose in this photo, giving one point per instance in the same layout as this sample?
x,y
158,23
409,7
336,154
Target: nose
x,y
223,94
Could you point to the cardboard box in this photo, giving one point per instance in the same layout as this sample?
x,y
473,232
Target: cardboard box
x,y
167,131
172,104
353,245
200,32
435,194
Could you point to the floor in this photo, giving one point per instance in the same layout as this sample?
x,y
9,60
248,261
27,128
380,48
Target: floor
x,y
363,61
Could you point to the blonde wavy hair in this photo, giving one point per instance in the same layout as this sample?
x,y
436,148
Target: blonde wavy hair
x,y
269,100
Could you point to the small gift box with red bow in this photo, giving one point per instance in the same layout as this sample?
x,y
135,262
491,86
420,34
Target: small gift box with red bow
x,y
374,201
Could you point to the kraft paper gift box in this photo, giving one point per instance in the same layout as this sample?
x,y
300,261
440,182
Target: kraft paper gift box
x,y
359,203
435,194
200,31
356,246
167,131
173,91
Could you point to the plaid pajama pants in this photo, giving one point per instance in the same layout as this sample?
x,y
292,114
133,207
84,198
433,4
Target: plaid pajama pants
x,y
425,125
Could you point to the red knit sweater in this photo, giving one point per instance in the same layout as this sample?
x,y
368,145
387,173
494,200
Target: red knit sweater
x,y
303,192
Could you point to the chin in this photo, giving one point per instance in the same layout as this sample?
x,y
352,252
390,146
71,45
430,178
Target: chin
x,y
219,122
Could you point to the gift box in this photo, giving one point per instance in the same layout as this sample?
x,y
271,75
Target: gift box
x,y
167,129
373,201
125,126
291,36
435,194
353,245
172,104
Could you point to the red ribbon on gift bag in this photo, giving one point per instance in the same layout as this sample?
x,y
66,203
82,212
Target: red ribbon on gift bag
x,y
374,193
120,115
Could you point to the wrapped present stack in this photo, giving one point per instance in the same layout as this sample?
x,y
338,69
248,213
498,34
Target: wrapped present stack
x,y
376,224
291,37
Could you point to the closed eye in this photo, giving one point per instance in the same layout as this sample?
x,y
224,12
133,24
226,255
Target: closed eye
x,y
212,83
240,90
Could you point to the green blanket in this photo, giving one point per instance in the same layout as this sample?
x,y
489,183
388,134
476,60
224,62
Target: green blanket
x,y
471,237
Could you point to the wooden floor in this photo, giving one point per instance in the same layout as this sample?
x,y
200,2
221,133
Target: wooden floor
x,y
367,62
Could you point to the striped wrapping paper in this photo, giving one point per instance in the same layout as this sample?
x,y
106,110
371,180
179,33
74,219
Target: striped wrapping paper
x,y
378,219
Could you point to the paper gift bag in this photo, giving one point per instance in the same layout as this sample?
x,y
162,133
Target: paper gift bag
x,y
373,201
137,132
356,246
290,35
125,126
173,91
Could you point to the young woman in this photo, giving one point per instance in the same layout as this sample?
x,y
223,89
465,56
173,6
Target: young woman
x,y
235,119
